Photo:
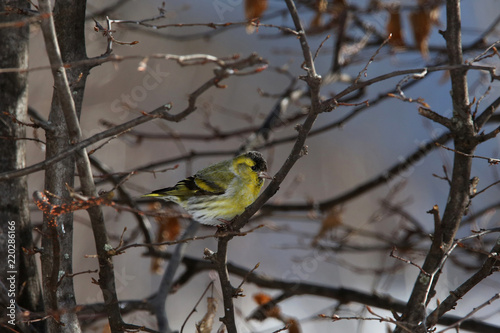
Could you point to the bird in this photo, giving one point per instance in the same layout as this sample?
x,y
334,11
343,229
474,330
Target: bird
x,y
215,195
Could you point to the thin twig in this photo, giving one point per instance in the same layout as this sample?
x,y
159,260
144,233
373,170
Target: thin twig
x,y
211,284
482,55
189,239
17,121
106,142
484,189
491,161
159,112
18,138
473,312
407,261
372,58
75,274
320,46
246,277
181,60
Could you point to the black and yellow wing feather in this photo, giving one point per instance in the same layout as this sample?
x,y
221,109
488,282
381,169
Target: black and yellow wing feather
x,y
209,181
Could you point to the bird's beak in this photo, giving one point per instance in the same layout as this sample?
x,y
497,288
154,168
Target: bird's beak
x,y
265,175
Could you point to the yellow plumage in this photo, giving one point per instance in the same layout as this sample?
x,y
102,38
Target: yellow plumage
x,y
221,191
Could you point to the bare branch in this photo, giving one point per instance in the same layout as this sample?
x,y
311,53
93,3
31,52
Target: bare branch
x,y
346,295
487,113
407,261
428,113
491,161
382,178
159,301
159,112
372,58
313,80
106,272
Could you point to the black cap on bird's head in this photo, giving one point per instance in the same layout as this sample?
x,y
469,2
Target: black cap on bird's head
x,y
260,163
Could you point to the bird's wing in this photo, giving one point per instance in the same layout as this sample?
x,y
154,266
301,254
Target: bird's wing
x,y
214,179
185,188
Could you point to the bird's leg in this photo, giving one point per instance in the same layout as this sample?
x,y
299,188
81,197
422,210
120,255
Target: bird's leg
x,y
224,226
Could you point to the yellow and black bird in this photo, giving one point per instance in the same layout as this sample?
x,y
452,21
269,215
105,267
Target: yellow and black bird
x,y
221,191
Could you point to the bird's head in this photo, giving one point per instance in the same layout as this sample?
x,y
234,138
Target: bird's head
x,y
251,165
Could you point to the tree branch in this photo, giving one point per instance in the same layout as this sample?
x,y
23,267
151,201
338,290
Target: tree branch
x,y
67,104
157,113
158,301
458,198
344,295
314,81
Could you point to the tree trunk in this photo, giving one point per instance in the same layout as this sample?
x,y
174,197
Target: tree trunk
x,y
69,17
14,199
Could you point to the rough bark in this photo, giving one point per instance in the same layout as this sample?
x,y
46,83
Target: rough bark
x,y
14,198
57,242
462,128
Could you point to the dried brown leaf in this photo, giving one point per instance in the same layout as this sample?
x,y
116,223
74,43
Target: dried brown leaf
x,y
332,220
253,11
169,230
434,16
445,77
321,5
255,8
319,8
261,298
394,28
293,326
317,20
421,21
274,312
421,25
206,323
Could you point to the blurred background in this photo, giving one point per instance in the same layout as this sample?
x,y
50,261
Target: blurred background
x,y
291,246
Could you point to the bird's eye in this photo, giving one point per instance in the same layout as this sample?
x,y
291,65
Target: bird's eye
x,y
254,168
